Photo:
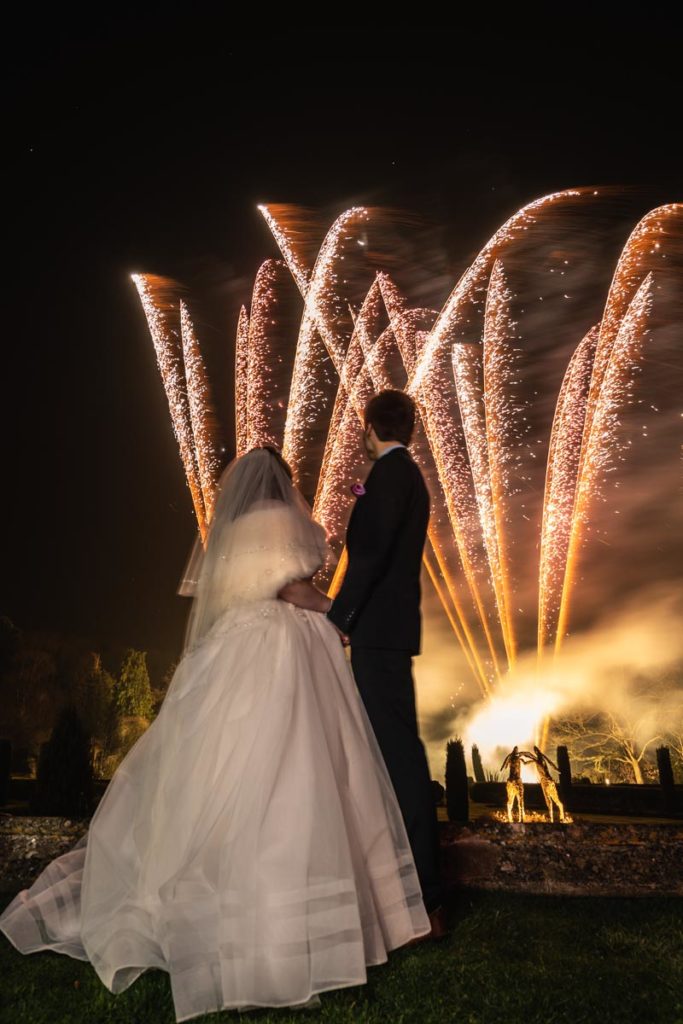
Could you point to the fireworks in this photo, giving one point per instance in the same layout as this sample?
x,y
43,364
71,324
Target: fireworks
x,y
201,412
471,437
159,297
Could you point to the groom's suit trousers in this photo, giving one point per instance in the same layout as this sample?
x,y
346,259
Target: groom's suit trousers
x,y
385,682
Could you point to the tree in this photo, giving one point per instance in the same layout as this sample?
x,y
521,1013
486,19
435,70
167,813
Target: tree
x,y
610,743
40,672
130,711
30,700
159,695
673,739
168,674
457,791
477,766
10,638
95,694
64,779
132,691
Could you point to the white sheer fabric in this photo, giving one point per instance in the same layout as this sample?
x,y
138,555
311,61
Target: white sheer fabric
x,y
245,555
251,843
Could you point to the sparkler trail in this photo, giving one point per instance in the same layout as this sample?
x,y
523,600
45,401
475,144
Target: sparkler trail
x,y
560,485
242,383
645,250
600,437
264,360
430,375
342,450
321,306
504,436
161,307
201,412
621,329
472,281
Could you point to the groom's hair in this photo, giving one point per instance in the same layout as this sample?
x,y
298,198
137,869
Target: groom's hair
x,y
392,415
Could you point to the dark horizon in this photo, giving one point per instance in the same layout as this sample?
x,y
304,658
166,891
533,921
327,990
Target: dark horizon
x,y
144,148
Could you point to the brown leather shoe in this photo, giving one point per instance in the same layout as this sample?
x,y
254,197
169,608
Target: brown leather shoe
x,y
439,924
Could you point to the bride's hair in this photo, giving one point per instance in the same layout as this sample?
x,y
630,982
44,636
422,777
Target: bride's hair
x,y
278,455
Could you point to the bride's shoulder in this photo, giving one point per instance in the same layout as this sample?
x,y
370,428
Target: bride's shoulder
x,y
269,518
268,508
278,522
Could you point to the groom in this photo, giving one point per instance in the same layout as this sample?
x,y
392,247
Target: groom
x,y
378,608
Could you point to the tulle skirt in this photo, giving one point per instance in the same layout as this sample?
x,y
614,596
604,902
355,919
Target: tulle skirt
x,y
250,843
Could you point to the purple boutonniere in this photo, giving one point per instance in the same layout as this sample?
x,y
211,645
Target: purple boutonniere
x,y
357,489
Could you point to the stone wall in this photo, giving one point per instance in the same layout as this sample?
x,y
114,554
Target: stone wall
x,y
27,845
580,859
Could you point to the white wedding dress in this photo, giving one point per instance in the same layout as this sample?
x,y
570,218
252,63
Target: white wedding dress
x,y
250,843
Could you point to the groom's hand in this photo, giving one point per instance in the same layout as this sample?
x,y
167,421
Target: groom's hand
x,y
346,640
304,594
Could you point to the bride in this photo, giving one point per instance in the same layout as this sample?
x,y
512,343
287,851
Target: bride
x,y
250,843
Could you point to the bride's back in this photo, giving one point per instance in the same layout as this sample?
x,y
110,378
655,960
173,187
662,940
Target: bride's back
x,y
262,535
269,545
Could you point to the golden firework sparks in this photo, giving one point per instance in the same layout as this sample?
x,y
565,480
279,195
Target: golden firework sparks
x,y
263,371
161,307
241,383
600,438
505,435
560,485
202,414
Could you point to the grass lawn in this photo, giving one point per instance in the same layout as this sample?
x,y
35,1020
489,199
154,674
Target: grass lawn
x,y
509,960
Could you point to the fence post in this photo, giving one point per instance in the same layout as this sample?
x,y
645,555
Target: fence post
x,y
457,795
564,765
666,778
477,766
5,770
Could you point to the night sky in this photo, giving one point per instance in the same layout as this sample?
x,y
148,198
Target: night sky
x,y
145,145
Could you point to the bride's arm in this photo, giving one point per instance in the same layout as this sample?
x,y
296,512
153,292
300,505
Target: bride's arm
x,y
305,594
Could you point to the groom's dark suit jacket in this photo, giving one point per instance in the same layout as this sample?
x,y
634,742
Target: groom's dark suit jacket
x,y
378,604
